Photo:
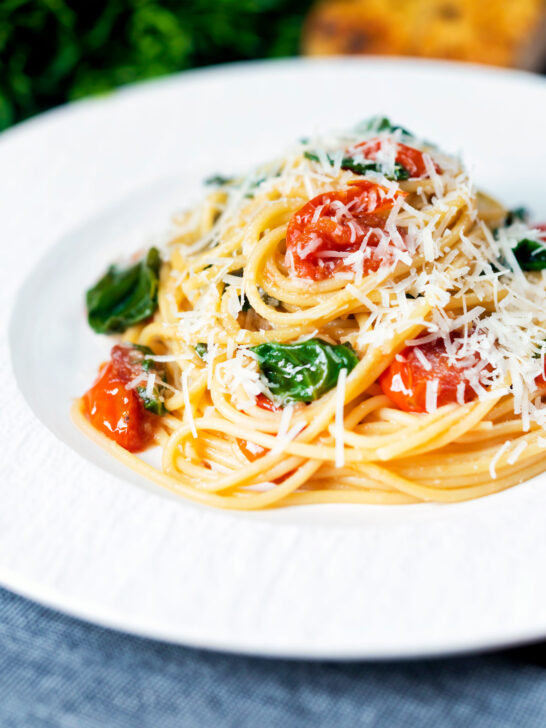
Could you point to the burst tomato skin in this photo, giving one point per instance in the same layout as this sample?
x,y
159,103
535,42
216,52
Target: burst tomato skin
x,y
410,158
117,411
322,224
408,373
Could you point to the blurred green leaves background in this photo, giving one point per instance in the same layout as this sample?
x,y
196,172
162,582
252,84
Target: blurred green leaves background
x,y
52,51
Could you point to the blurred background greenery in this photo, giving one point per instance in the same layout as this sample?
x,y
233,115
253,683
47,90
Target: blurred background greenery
x,y
53,51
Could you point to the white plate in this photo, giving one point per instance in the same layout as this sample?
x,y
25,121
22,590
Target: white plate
x,y
77,531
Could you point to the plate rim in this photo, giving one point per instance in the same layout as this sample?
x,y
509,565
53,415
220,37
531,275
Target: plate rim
x,y
53,598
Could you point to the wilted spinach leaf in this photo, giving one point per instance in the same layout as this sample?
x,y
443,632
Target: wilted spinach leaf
x,y
218,180
400,172
304,371
518,214
381,123
530,254
154,403
131,361
201,350
123,297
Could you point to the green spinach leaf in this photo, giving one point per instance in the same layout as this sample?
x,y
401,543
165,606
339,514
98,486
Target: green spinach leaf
x,y
518,214
133,360
218,180
154,402
400,172
124,296
304,371
530,254
381,123
201,350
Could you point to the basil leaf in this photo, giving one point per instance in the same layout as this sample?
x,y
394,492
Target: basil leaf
x,y
400,172
123,297
530,254
304,371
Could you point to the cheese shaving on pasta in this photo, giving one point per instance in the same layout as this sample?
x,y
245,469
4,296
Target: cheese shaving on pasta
x,y
351,323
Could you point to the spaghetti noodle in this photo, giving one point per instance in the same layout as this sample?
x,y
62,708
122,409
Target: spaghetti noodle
x,y
351,323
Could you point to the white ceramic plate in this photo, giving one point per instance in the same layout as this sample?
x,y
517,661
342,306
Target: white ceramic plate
x,y
77,531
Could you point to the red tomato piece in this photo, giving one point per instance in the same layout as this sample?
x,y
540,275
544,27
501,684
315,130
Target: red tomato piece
x,y
265,403
117,411
336,223
410,158
257,451
405,380
126,362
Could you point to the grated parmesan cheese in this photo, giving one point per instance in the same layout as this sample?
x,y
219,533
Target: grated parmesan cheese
x,y
150,383
514,456
136,381
496,457
431,397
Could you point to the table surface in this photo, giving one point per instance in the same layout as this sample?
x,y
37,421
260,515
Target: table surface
x,y
57,671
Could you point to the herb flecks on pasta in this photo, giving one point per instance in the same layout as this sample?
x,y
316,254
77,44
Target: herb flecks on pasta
x,y
352,322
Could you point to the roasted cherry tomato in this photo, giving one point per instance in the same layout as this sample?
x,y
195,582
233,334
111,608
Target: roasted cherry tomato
x,y
405,380
333,224
115,410
411,159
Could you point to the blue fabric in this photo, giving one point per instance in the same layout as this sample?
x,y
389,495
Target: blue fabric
x,y
56,671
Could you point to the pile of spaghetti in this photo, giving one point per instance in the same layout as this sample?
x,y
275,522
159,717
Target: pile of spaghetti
x,y
350,323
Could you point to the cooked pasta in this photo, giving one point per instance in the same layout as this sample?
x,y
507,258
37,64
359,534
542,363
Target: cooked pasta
x,y
350,323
